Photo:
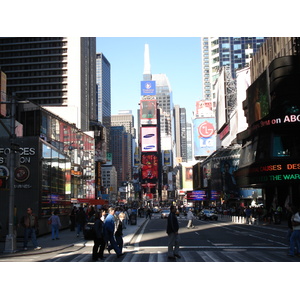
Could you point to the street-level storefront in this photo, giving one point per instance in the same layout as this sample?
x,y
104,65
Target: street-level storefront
x,y
45,179
270,155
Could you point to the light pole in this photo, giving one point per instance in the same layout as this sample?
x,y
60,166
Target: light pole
x,y
10,242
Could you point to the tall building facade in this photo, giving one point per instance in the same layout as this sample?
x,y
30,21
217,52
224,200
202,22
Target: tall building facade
x,y
103,92
119,145
180,134
218,52
58,73
126,120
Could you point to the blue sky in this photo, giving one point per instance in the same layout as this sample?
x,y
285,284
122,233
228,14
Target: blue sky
x,y
177,57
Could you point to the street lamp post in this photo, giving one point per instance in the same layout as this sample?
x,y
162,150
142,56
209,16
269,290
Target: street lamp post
x,y
10,242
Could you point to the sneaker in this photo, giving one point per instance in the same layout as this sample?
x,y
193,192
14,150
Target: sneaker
x,y
37,248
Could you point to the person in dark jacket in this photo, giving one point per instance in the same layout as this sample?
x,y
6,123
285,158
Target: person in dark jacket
x,y
81,219
73,218
109,232
99,242
31,227
173,237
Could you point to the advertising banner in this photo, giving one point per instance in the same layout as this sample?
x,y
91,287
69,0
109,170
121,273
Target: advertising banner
x,y
149,139
148,112
149,167
196,195
148,88
258,99
204,136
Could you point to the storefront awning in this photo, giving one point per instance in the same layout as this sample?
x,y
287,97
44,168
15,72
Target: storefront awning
x,y
92,201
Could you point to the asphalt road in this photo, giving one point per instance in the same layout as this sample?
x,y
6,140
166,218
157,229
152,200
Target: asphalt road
x,y
209,241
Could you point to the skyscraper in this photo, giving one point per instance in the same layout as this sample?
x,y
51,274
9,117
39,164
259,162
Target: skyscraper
x,y
125,120
103,92
218,52
58,73
180,134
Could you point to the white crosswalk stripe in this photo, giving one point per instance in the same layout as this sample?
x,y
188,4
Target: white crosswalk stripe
x,y
194,255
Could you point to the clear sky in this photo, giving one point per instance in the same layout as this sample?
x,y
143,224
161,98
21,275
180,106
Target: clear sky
x,y
177,57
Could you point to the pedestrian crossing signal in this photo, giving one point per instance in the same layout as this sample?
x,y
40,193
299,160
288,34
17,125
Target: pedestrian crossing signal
x,y
3,183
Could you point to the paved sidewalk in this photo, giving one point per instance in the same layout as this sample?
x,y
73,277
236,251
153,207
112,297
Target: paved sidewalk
x,y
67,239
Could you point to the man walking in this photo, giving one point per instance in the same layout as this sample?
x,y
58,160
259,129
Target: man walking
x,y
109,231
31,225
173,237
190,217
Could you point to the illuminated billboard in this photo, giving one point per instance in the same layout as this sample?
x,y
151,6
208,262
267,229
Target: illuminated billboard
x,y
149,139
148,88
149,167
196,195
204,131
258,99
148,112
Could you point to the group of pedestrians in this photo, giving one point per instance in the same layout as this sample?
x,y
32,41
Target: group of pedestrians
x,y
30,224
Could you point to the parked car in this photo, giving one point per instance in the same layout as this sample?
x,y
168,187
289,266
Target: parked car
x,y
165,213
208,214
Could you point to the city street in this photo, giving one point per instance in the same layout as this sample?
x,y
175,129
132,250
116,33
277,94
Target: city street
x,y
209,241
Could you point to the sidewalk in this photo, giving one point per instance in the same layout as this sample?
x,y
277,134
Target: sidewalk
x,y
67,239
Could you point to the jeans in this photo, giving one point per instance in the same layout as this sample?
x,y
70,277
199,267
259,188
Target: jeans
x,y
55,231
173,244
30,233
119,240
113,243
98,252
79,228
295,242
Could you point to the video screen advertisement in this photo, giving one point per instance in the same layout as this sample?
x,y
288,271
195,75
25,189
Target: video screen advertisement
x,y
148,112
149,139
204,131
149,167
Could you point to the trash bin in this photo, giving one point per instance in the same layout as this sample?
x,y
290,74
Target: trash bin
x,y
132,219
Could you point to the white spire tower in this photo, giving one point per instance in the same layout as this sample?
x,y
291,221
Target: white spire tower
x,y
147,67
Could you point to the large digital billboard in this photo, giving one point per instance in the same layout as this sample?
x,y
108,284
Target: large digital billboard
x,y
258,99
148,88
149,139
148,113
204,130
149,167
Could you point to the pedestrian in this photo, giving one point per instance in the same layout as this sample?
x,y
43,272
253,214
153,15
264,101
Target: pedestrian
x,y
54,220
295,236
119,230
190,217
109,230
99,242
31,227
126,218
122,217
173,236
81,220
248,213
73,218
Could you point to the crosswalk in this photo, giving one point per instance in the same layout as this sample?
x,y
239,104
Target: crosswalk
x,y
154,254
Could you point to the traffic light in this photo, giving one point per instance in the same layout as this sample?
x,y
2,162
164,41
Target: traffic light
x,y
3,183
